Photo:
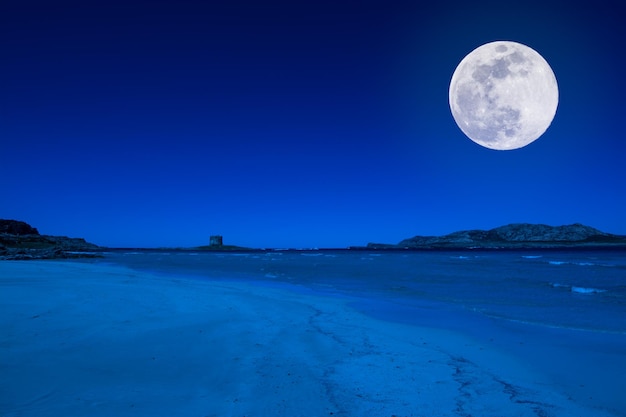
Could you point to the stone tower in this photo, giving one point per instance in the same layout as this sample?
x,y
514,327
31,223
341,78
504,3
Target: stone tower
x,y
216,240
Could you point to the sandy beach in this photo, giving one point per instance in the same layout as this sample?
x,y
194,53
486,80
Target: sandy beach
x,y
78,339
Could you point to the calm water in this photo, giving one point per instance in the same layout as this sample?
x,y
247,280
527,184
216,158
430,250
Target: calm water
x,y
575,290
561,314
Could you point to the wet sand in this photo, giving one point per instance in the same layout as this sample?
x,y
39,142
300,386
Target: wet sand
x,y
78,339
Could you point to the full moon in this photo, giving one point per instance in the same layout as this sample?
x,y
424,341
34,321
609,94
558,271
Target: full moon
x,y
503,95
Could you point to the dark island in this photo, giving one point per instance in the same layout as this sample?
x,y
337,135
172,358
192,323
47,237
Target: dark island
x,y
512,236
20,241
216,244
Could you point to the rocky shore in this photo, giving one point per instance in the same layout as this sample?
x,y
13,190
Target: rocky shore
x,y
20,241
513,236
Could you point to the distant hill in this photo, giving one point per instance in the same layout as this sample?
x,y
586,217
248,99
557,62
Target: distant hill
x,y
20,241
517,235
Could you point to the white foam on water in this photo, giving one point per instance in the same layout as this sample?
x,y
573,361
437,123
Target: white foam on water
x,y
584,290
577,289
578,263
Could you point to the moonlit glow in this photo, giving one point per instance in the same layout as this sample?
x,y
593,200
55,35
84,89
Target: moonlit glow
x,y
503,95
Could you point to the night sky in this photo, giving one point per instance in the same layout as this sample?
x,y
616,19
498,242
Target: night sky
x,y
297,123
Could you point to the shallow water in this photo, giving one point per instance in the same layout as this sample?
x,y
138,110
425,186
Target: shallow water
x,y
575,290
561,313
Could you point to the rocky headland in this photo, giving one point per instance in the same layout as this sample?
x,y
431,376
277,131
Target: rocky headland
x,y
20,241
513,236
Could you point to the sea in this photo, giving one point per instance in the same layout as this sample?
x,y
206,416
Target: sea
x,y
559,312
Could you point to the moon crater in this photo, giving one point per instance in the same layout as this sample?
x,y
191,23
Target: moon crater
x,y
503,95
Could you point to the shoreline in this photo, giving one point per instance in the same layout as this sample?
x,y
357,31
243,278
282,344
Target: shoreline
x,y
93,339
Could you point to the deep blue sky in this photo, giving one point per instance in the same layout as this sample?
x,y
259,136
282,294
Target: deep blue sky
x,y
296,123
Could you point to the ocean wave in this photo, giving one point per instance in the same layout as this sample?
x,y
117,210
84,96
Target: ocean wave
x,y
577,289
551,325
584,290
582,263
532,256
